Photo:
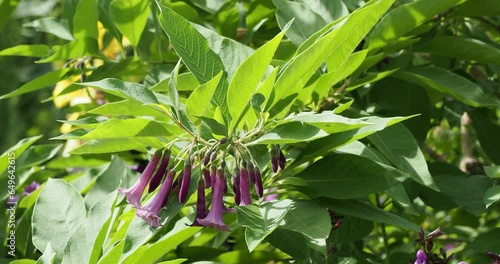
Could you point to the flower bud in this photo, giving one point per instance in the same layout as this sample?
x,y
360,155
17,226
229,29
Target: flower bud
x,y
160,172
251,172
282,160
207,178
186,180
259,189
244,188
223,141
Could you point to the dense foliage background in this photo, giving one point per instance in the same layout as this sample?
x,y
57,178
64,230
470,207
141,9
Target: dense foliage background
x,y
386,113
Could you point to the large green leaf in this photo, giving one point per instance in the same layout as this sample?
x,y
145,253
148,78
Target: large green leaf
x,y
327,121
329,10
244,85
85,20
58,212
398,145
306,21
85,244
37,50
195,52
339,43
449,83
291,132
323,145
346,176
130,17
464,48
40,82
199,102
51,25
404,18
126,90
36,155
75,49
366,211
137,127
126,108
17,149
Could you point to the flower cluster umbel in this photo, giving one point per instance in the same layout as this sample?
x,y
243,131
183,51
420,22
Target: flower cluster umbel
x,y
425,255
215,175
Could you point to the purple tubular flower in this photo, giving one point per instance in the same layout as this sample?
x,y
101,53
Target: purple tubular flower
x,y
160,172
134,193
282,160
495,259
251,172
150,212
201,209
186,180
259,188
31,188
244,188
421,257
236,188
214,217
274,159
213,172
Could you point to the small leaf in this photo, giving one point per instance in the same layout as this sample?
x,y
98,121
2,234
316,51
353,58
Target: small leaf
x,y
126,90
327,121
199,102
85,20
26,50
125,128
491,196
51,25
291,132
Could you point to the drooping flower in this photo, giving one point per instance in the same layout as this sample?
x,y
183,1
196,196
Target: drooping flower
x,y
251,172
274,159
201,209
151,211
186,180
31,188
282,160
214,217
495,259
245,198
236,185
160,172
135,192
421,257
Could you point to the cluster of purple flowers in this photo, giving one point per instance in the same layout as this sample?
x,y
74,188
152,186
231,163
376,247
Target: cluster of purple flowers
x,y
425,255
158,174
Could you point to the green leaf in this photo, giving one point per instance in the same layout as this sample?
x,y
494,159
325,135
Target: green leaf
x,y
48,255
323,145
85,20
463,48
487,133
51,25
329,10
343,40
17,149
478,8
491,196
7,7
75,49
402,19
85,244
366,211
86,122
117,145
352,229
170,241
492,171
37,50
448,83
486,242
369,79
35,155
130,17
346,176
399,146
173,93
199,102
125,128
465,191
291,132
292,243
107,182
244,85
113,255
58,212
306,21
38,83
327,121
126,90
126,108
191,46
399,195
261,221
